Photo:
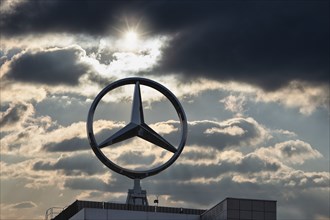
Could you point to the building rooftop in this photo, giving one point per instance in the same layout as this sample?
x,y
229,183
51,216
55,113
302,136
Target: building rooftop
x,y
78,205
229,208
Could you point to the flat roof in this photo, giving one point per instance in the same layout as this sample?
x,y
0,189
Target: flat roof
x,y
78,205
265,200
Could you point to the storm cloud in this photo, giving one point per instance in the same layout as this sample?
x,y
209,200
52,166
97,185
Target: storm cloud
x,y
267,44
264,44
52,66
30,17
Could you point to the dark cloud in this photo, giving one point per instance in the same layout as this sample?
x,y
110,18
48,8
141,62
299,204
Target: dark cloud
x,y
249,164
77,143
253,163
54,66
86,184
6,56
134,158
194,155
117,183
267,44
67,145
85,16
13,114
101,80
77,164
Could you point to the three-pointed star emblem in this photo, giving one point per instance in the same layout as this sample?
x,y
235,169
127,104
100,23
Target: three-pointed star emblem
x,y
137,127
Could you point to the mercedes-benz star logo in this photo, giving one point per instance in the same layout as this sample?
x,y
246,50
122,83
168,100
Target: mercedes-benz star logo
x,y
137,127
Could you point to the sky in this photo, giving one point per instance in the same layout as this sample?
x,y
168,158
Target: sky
x,y
252,77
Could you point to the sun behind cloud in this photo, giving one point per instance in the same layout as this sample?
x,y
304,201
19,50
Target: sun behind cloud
x,y
131,39
131,36
130,33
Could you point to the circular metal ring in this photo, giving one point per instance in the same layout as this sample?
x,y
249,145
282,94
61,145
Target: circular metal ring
x,y
127,172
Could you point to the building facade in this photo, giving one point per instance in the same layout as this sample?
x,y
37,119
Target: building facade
x,y
228,209
236,209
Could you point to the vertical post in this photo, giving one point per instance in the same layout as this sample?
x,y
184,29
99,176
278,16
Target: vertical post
x,y
137,196
137,186
156,201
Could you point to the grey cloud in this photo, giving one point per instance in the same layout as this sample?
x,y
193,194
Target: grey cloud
x,y
24,205
209,193
132,157
76,143
101,80
317,201
13,114
292,151
13,158
193,155
41,165
114,184
264,45
197,136
7,55
86,184
303,180
68,145
52,66
185,172
77,164
2,60
68,107
297,148
253,163
63,16
64,108
250,163
252,133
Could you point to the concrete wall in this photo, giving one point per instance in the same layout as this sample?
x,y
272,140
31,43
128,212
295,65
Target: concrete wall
x,y
239,209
